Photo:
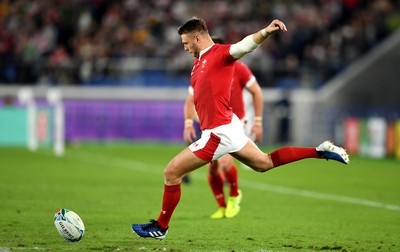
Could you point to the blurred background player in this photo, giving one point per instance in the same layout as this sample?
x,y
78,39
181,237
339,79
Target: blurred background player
x,y
224,168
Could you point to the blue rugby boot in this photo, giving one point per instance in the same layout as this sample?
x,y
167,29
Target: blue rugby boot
x,y
150,230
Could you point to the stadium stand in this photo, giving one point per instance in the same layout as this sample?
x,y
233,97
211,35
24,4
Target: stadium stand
x,y
134,43
123,75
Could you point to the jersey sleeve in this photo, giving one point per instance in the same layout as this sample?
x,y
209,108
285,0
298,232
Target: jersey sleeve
x,y
244,74
229,59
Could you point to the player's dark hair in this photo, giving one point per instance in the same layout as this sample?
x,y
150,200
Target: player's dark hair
x,y
193,25
218,40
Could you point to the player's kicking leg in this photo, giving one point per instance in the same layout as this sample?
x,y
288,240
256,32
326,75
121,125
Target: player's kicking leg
x,y
252,156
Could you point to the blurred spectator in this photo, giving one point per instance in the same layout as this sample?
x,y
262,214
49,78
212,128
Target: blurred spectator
x,y
122,42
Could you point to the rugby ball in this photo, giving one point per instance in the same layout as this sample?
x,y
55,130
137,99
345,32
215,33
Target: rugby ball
x,y
69,225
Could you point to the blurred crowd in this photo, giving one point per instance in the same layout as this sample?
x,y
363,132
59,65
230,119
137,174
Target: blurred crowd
x,y
79,42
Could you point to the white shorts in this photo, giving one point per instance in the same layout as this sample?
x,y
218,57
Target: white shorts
x,y
216,142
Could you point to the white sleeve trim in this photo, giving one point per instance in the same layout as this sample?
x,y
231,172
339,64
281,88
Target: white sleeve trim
x,y
243,47
190,90
251,81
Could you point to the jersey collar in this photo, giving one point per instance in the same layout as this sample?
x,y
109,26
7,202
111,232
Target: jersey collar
x,y
205,50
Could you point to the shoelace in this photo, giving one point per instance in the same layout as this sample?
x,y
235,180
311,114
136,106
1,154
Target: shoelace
x,y
153,224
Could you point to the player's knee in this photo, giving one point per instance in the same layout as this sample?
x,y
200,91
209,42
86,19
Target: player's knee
x,y
167,174
170,175
263,165
225,166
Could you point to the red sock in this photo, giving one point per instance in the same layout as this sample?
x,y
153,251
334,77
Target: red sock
x,y
217,187
290,154
171,197
231,176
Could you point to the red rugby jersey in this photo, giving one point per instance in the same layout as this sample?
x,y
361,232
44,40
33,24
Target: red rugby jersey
x,y
211,81
241,77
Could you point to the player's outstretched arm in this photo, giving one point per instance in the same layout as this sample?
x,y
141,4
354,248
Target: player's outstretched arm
x,y
253,41
274,26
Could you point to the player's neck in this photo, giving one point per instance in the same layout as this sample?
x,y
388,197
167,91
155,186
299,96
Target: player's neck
x,y
205,49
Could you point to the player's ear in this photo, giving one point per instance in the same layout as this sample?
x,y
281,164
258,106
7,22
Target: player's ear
x,y
197,37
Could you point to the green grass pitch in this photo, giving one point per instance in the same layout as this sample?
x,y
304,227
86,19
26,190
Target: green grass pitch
x,y
311,205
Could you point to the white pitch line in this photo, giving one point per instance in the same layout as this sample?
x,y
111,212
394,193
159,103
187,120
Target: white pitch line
x,y
94,158
317,195
6,249
144,167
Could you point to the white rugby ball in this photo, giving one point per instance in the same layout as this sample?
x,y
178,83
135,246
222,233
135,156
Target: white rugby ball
x,y
69,225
